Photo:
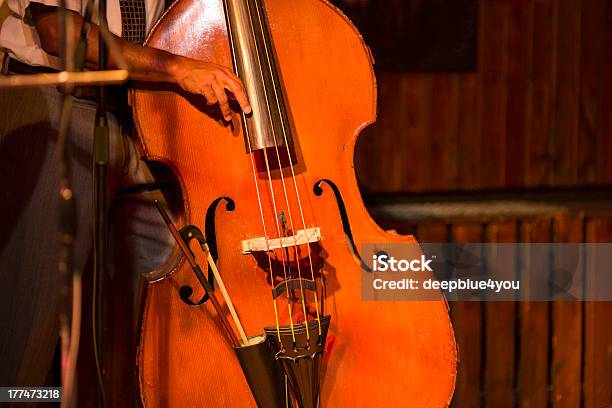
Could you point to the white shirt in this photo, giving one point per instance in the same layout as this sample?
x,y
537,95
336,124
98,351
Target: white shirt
x,y
21,40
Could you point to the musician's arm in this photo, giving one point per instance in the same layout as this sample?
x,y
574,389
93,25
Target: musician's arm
x,y
145,63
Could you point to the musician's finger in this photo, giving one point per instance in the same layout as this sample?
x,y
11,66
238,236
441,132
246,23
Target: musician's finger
x,y
236,88
209,94
223,101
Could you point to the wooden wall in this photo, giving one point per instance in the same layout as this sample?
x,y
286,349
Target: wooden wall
x,y
531,354
536,113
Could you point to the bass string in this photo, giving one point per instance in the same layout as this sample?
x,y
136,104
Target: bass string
x,y
280,236
263,223
278,231
295,244
297,194
254,172
312,275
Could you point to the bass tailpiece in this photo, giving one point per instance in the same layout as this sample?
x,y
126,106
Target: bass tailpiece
x,y
301,360
263,373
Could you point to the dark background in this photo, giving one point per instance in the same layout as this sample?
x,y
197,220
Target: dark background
x,y
418,35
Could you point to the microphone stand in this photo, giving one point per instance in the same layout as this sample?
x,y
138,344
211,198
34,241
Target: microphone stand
x,y
67,225
70,278
100,239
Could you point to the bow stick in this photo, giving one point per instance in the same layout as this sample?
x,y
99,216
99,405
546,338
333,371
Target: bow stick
x,y
207,287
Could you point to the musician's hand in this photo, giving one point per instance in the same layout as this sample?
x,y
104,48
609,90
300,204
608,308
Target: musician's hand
x,y
212,81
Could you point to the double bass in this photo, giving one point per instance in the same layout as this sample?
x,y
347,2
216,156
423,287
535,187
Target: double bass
x,y
274,196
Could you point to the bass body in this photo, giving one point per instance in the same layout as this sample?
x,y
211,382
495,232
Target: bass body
x,y
377,354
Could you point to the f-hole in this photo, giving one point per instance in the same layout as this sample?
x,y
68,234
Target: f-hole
x,y
346,225
186,291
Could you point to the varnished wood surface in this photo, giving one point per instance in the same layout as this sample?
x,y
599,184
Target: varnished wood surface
x,y
378,353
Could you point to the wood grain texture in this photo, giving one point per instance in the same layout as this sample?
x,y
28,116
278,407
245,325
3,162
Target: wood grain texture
x,y
520,91
494,88
469,148
535,112
564,141
534,333
468,323
593,74
605,166
531,354
444,120
500,330
598,335
543,75
566,370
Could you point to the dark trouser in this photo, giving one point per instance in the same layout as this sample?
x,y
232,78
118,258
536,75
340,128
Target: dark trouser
x,y
29,222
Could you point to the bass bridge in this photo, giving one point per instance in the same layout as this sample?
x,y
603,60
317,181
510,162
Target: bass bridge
x,y
297,348
263,244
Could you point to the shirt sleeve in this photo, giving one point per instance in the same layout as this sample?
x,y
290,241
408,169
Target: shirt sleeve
x,y
19,7
20,39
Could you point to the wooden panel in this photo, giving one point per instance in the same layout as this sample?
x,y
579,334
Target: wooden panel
x,y
414,132
605,165
469,149
543,74
535,113
533,359
531,354
444,118
467,320
598,336
565,128
432,233
518,106
500,333
494,91
591,108
566,322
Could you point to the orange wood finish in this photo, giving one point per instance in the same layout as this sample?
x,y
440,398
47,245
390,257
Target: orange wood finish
x,y
378,354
